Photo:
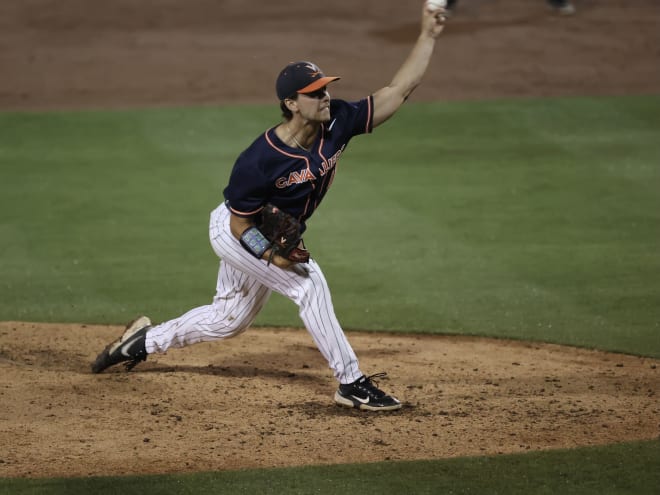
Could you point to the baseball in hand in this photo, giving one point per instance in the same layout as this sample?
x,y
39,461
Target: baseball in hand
x,y
436,4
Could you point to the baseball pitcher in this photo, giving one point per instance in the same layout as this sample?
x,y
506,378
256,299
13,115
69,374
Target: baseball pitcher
x,y
275,186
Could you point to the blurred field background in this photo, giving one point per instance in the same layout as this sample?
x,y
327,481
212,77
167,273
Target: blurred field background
x,y
533,219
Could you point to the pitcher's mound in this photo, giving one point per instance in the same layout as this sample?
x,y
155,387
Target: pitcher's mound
x,y
264,399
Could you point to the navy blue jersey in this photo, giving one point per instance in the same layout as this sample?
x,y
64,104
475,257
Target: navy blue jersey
x,y
295,180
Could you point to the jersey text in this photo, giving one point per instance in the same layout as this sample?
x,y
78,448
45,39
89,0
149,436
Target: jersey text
x,y
295,178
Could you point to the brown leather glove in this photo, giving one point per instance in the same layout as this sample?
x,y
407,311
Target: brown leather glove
x,y
283,231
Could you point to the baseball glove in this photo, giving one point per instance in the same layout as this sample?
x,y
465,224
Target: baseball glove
x,y
283,232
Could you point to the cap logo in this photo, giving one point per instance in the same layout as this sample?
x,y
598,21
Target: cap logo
x,y
313,70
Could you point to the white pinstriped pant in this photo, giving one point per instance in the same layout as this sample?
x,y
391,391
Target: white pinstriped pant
x,y
244,285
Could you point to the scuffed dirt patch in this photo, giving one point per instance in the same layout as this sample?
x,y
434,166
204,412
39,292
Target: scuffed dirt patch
x,y
264,399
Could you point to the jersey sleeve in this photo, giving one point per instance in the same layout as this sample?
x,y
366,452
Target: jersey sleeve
x,y
247,188
359,115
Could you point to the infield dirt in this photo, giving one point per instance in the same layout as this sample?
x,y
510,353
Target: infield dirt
x,y
265,398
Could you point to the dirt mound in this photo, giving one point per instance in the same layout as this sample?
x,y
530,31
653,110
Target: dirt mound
x,y
240,403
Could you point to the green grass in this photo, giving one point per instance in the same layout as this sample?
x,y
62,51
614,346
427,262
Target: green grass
x,y
537,220
621,469
105,214
532,219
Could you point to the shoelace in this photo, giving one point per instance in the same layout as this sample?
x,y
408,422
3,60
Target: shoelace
x,y
372,386
382,374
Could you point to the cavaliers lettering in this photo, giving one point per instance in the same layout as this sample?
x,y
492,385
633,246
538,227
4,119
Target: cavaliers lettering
x,y
295,178
332,162
306,174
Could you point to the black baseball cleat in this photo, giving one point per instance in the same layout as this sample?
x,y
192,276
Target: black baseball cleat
x,y
363,394
129,348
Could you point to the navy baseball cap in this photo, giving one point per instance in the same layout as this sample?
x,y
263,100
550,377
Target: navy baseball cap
x,y
300,77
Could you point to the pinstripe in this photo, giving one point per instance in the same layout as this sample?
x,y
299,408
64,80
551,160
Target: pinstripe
x,y
339,350
243,287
